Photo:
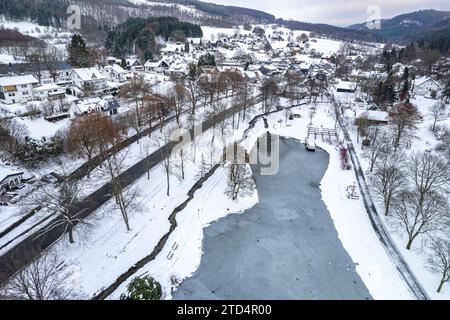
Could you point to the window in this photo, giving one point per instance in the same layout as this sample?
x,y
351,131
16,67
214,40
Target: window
x,y
24,86
11,94
25,93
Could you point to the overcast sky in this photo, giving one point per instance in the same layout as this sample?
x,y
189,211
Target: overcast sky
x,y
336,12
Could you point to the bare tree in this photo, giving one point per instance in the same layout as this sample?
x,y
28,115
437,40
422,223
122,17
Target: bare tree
x,y
179,96
63,203
146,152
89,133
417,216
428,173
293,86
388,178
243,96
439,261
270,94
193,92
240,182
112,165
437,112
164,144
137,91
46,278
149,112
405,118
134,119
12,135
379,145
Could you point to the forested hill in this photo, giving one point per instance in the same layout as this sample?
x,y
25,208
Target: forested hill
x,y
100,16
141,35
410,26
438,40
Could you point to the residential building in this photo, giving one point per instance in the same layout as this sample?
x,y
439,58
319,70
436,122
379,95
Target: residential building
x,y
134,65
17,89
346,86
115,73
156,66
107,104
9,179
425,86
49,91
88,80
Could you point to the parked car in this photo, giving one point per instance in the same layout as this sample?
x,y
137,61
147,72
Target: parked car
x,y
48,178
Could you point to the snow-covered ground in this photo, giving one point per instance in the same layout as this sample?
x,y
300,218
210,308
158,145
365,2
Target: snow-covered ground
x,y
417,256
350,217
104,249
55,37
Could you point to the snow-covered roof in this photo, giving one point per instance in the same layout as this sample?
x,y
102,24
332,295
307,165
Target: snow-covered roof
x,y
374,115
46,87
420,81
18,80
87,74
116,68
346,85
132,61
6,172
89,105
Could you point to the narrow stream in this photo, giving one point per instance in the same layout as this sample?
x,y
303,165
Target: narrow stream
x,y
285,247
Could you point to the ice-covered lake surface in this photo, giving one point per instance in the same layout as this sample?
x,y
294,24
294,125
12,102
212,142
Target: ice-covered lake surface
x,y
285,247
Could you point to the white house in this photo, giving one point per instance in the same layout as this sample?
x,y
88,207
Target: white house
x,y
346,86
9,179
88,79
115,73
49,91
179,67
134,65
107,105
424,86
156,66
17,89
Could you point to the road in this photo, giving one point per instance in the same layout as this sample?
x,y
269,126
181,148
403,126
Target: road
x,y
33,245
402,266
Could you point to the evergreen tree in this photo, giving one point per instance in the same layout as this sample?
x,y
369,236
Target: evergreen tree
x,y
123,63
186,47
404,95
78,53
389,90
378,94
207,60
145,288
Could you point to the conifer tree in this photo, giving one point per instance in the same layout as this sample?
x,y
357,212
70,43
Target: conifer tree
x,y
78,52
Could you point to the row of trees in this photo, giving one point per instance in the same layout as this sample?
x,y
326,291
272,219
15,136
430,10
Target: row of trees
x,y
411,187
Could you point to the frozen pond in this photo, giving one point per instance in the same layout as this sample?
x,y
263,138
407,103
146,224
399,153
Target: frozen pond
x,y
286,247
